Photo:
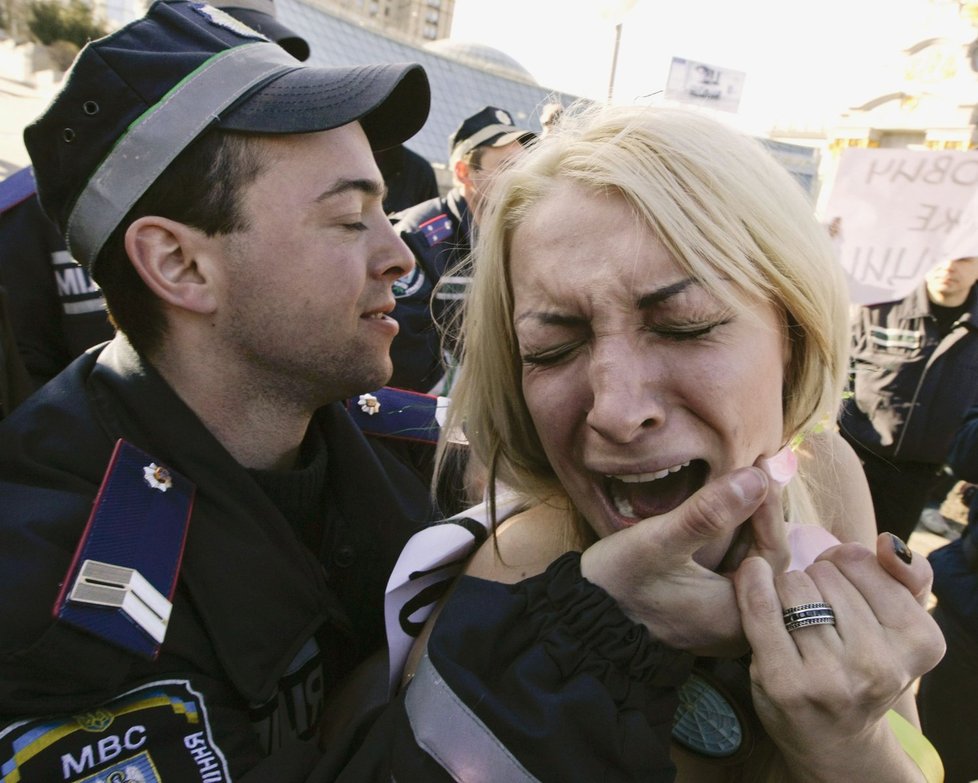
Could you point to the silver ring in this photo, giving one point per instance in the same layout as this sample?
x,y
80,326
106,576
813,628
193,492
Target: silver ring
x,y
803,615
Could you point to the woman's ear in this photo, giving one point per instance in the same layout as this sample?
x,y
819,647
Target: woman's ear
x,y
172,259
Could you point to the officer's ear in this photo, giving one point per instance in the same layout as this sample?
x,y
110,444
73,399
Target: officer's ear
x,y
462,172
174,260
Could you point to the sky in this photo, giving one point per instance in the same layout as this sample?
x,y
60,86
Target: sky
x,y
804,61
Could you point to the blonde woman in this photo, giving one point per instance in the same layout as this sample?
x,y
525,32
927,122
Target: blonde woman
x,y
656,320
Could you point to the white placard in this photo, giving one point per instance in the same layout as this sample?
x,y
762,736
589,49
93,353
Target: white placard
x,y
897,213
704,85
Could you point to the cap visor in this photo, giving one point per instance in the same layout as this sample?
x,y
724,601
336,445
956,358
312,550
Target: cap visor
x,y
522,136
391,101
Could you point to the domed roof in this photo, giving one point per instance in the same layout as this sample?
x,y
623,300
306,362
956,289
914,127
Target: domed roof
x,y
481,56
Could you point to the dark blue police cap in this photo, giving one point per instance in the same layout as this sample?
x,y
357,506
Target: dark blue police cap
x,y
135,99
488,127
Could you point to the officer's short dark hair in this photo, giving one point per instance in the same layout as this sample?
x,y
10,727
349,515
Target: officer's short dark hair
x,y
202,188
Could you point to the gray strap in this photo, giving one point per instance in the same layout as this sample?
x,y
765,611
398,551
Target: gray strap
x,y
159,135
454,736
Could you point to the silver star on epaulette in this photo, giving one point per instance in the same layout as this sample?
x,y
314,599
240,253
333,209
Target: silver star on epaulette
x,y
157,477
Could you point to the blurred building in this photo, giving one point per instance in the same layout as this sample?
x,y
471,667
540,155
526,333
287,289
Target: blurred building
x,y
421,20
464,77
929,103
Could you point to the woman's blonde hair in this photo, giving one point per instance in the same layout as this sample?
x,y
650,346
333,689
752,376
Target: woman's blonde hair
x,y
723,207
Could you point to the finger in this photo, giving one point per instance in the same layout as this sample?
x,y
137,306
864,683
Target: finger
x,y
770,537
797,589
874,599
913,572
761,614
876,574
716,510
713,512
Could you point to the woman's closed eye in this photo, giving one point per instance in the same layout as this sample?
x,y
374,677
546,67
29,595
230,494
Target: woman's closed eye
x,y
552,355
681,332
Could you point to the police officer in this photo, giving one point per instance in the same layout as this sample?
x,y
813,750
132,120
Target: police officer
x,y
211,529
56,310
439,233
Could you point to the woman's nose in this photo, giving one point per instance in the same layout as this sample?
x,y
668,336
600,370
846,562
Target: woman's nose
x,y
626,398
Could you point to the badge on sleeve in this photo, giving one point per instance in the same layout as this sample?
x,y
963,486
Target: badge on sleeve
x,y
157,732
120,584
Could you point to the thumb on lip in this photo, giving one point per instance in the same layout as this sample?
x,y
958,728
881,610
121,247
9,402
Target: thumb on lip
x,y
716,509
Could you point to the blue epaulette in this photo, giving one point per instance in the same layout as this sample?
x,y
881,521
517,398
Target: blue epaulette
x,y
436,230
16,188
399,413
121,581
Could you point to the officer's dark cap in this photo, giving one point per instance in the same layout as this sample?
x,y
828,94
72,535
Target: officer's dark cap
x,y
135,99
489,127
260,15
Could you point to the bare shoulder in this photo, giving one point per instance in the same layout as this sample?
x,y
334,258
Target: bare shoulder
x,y
838,486
525,544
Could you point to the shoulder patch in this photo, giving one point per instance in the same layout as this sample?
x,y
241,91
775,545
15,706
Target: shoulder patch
x,y
155,733
16,188
410,284
124,572
436,230
399,414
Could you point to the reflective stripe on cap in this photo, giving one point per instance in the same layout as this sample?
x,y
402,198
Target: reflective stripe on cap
x,y
155,139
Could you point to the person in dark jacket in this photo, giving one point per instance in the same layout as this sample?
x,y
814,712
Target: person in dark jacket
x,y
948,695
196,536
914,364
439,232
200,533
410,178
56,311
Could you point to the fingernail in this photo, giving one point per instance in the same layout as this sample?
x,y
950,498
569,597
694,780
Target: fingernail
x,y
901,549
782,466
749,484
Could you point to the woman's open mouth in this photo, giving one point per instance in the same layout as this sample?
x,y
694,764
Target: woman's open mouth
x,y
641,495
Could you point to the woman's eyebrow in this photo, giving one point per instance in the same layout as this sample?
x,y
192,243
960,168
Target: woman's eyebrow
x,y
550,318
662,294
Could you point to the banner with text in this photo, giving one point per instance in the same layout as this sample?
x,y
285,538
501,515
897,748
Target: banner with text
x,y
896,213
704,85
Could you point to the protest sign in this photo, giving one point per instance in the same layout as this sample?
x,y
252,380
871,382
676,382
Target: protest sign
x,y
704,85
896,213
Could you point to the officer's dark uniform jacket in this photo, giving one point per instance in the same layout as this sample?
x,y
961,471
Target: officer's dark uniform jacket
x,y
262,630
439,234
911,387
56,309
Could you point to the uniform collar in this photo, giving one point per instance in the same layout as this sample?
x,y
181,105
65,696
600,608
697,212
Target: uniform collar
x,y
253,584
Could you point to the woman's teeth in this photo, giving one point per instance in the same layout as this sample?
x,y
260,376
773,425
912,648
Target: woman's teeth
x,y
622,504
638,478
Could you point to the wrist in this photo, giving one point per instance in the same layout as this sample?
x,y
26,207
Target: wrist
x,y
917,747
878,754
